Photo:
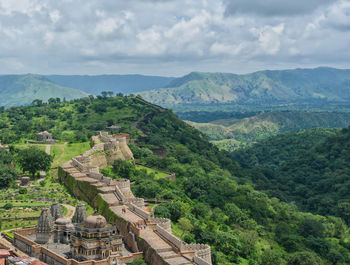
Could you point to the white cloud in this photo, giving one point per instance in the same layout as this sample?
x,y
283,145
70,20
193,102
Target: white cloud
x,y
172,37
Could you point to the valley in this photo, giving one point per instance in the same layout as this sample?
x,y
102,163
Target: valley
x,y
217,198
231,134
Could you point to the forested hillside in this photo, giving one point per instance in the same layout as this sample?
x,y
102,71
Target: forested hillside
x,y
229,134
310,168
264,87
208,202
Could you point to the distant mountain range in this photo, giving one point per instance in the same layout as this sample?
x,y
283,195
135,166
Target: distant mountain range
x,y
126,84
18,90
230,134
264,87
23,89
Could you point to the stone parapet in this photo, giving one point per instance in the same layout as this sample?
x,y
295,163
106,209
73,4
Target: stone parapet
x,y
139,211
178,243
165,223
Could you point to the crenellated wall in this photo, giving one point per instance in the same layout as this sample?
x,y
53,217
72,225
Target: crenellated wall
x,y
101,192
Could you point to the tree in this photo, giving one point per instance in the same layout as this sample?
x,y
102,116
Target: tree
x,y
7,175
304,258
33,159
8,206
138,262
185,225
37,102
273,257
104,94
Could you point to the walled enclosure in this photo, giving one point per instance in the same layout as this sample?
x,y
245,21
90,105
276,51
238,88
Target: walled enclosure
x,y
81,176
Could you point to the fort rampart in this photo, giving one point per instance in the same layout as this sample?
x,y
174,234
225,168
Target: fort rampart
x,y
111,196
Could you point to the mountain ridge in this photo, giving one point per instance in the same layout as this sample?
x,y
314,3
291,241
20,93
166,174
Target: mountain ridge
x,y
323,83
23,89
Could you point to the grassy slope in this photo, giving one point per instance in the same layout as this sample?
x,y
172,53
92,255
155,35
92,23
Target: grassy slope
x,y
23,89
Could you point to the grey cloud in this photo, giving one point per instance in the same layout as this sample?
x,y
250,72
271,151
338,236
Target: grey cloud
x,y
170,37
274,7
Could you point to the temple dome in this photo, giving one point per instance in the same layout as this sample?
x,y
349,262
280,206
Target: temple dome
x,y
95,221
62,221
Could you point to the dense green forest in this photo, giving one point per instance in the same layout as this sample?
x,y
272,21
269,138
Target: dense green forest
x,y
210,201
308,167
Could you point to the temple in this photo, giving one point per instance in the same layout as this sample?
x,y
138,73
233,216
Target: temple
x,y
57,240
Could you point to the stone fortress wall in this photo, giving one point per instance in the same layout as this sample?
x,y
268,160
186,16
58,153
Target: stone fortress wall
x,y
111,196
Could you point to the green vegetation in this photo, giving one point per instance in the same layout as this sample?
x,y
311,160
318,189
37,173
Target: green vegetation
x,y
33,159
158,174
265,87
211,201
310,168
7,172
231,134
64,152
24,89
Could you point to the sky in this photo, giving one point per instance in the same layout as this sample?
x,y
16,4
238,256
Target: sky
x,y
171,37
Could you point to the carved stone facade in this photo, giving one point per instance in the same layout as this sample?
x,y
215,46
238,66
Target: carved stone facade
x,y
89,238
79,214
56,211
95,239
44,227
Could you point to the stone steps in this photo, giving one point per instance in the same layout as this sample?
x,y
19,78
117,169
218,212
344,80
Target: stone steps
x,y
169,255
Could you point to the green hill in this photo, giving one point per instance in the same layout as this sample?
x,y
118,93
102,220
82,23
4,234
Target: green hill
x,y
229,134
265,87
210,201
309,167
23,89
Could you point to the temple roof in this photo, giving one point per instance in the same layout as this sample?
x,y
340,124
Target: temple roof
x,y
95,221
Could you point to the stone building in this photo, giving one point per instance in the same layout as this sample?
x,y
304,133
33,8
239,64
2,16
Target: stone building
x,y
95,239
24,181
45,137
87,238
45,226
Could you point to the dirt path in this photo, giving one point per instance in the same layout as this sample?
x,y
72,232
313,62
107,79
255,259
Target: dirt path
x,y
70,210
48,149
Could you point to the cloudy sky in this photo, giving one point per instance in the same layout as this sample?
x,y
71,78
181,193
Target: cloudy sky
x,y
171,37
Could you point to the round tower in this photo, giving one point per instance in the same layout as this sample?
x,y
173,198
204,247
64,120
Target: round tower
x,y
44,227
79,214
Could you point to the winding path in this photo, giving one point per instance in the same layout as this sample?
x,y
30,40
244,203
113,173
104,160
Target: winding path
x,y
70,210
